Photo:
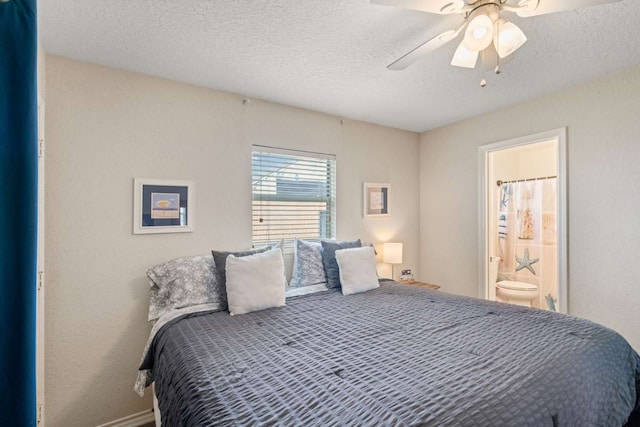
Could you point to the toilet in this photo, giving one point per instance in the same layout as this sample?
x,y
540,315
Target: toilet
x,y
519,293
510,291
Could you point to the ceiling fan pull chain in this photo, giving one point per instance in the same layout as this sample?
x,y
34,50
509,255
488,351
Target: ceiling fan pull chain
x,y
497,70
483,82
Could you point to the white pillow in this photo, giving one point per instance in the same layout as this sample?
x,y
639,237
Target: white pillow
x,y
357,269
255,282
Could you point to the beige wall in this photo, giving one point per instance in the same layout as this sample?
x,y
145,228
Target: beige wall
x,y
105,127
524,162
603,175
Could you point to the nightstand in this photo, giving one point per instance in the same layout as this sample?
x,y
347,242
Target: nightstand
x,y
422,285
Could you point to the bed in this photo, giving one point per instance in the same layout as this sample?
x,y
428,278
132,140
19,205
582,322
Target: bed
x,y
396,355
227,348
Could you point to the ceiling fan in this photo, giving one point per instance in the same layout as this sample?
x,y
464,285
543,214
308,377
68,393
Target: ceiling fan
x,y
488,35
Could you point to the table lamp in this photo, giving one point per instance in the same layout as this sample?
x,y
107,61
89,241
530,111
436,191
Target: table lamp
x,y
392,254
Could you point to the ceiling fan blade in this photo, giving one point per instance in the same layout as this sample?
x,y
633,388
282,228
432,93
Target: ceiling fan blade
x,y
528,7
441,7
425,48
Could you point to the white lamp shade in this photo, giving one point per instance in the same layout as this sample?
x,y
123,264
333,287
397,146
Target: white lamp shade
x,y
392,253
508,38
479,33
464,57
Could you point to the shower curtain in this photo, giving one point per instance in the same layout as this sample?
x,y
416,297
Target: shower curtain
x,y
527,236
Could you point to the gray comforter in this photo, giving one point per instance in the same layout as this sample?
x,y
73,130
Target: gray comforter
x,y
395,356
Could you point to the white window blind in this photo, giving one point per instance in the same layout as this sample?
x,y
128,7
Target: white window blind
x,y
294,196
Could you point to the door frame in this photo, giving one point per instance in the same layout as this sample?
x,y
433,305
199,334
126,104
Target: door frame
x,y
560,135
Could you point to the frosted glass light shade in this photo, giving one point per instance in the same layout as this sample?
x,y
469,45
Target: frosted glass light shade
x,y
508,38
479,33
392,253
464,57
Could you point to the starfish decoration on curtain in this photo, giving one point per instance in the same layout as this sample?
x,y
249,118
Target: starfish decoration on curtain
x,y
526,262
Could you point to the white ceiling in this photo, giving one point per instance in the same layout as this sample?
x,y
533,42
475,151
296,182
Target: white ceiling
x,y
331,55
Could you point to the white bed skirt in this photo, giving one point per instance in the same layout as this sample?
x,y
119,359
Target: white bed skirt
x,y
156,409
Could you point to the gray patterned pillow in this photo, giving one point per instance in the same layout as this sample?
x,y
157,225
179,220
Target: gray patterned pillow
x,y
329,248
308,269
184,282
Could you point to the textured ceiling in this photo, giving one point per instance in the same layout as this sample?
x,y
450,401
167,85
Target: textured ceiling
x,y
331,55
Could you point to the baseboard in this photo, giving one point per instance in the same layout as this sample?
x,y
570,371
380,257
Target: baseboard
x,y
135,420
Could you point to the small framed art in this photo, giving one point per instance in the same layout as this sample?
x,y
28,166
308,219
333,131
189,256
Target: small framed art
x,y
163,206
376,200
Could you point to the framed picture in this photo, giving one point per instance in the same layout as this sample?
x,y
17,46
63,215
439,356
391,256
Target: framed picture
x,y
376,200
163,206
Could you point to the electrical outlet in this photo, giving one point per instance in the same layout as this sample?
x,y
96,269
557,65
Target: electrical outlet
x,y
406,275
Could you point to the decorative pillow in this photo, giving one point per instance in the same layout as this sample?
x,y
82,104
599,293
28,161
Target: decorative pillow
x,y
308,269
277,244
357,270
220,259
305,290
255,282
329,248
370,244
184,282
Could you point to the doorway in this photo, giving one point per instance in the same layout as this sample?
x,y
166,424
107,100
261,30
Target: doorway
x,y
523,227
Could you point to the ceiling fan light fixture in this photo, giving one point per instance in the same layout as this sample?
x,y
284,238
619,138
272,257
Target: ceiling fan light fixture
x,y
479,33
487,34
464,57
508,38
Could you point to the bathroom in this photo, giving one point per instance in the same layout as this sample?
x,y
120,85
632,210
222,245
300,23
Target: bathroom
x,y
522,226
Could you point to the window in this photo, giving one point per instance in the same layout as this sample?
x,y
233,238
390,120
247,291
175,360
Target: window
x,y
294,196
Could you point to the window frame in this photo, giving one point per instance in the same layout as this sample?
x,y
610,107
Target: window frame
x,y
310,165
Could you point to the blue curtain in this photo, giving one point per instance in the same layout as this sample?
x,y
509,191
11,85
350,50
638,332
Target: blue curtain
x,y
18,210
